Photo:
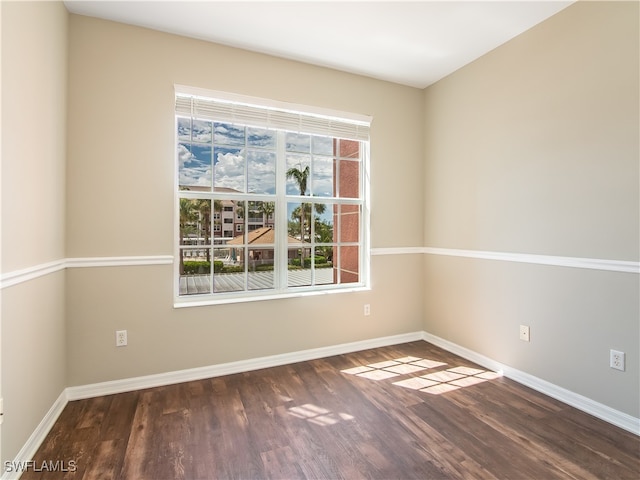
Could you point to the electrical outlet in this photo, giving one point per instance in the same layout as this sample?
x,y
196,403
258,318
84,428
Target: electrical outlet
x,y
524,333
367,309
616,360
121,338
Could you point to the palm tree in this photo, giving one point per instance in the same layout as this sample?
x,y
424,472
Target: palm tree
x,y
267,209
188,215
324,234
300,177
204,209
304,211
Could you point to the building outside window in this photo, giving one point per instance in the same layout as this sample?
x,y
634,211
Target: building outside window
x,y
295,181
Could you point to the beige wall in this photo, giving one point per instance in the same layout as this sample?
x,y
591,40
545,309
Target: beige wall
x,y
120,171
120,202
34,82
533,149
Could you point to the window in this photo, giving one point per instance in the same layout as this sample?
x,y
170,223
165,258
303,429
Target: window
x,y
270,199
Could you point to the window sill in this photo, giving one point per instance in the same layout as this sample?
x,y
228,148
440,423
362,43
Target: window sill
x,y
198,301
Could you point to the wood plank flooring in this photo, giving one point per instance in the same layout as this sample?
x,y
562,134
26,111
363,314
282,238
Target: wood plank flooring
x,y
410,411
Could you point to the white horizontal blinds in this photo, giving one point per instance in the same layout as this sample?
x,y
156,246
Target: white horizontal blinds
x,y
223,110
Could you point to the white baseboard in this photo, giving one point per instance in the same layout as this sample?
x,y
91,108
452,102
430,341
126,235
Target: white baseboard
x,y
599,410
161,379
30,448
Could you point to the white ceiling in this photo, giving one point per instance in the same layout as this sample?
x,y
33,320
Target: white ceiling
x,y
412,43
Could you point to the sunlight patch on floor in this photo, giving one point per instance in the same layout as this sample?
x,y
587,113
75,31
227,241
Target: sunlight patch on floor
x,y
451,379
436,383
318,415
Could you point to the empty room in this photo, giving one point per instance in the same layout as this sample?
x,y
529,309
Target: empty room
x,y
320,240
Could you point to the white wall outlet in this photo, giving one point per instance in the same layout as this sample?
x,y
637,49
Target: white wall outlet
x,y
524,333
367,309
616,360
121,338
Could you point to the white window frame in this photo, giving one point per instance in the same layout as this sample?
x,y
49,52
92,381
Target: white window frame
x,y
319,121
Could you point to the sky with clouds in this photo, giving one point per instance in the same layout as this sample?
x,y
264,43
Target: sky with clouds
x,y
244,158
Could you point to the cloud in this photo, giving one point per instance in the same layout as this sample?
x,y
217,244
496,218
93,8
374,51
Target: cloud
x,y
194,165
322,145
261,137
195,177
230,170
262,172
184,129
201,131
322,177
228,134
197,131
298,142
184,155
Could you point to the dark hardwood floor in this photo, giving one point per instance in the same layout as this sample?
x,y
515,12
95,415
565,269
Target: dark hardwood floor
x,y
401,412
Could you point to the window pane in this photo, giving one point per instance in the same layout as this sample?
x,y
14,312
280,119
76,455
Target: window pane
x,y
194,164
306,269
349,149
201,131
298,142
239,209
195,271
261,215
221,257
229,168
323,223
228,134
269,211
261,268
298,275
184,130
195,222
298,168
222,219
323,265
261,166
225,258
204,220
349,223
299,215
230,276
349,179
349,266
323,177
322,145
261,137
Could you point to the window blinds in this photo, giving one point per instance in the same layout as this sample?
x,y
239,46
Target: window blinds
x,y
223,107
